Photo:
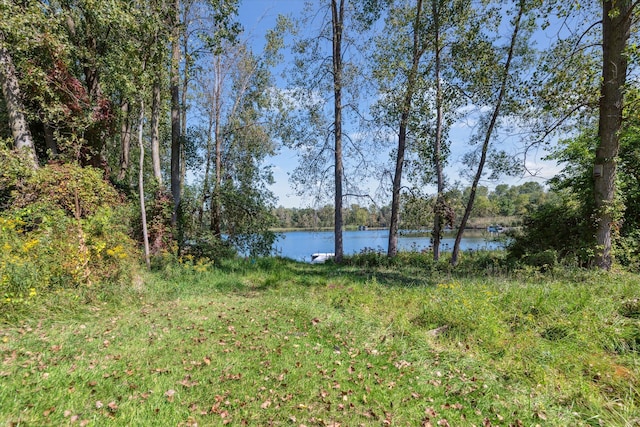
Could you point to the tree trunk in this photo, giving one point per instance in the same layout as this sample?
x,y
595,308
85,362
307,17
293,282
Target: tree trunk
x,y
155,130
143,211
216,209
206,188
488,135
125,140
615,35
394,224
186,78
176,184
437,149
22,138
337,14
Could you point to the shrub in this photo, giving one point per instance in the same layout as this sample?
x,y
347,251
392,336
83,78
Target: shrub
x,y
78,191
71,237
555,231
13,171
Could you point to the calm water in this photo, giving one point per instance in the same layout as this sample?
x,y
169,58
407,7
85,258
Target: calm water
x,y
299,245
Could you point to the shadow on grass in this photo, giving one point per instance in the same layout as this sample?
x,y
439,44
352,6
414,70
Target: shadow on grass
x,y
268,273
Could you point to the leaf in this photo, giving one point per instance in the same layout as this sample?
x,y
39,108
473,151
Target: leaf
x,y
265,404
402,364
187,382
99,405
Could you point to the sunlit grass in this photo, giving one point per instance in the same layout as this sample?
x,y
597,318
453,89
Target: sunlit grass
x,y
259,342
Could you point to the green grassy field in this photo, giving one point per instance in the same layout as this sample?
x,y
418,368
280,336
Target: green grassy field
x,y
273,342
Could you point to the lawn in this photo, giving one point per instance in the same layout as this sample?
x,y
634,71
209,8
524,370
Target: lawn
x,y
274,342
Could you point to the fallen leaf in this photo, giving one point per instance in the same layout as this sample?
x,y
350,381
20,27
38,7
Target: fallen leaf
x,y
265,404
99,404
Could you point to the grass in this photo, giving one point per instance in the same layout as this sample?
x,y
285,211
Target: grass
x,y
273,342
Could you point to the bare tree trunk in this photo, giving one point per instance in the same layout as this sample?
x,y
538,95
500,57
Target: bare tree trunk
x,y
155,130
488,134
206,188
394,224
176,184
11,92
615,35
143,211
337,14
186,78
437,149
216,209
125,140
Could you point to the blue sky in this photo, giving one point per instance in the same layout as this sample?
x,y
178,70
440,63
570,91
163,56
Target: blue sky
x,y
257,16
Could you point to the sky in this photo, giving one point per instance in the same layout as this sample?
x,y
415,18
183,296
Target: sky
x,y
257,16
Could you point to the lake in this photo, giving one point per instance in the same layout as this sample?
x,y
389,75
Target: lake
x,y
299,245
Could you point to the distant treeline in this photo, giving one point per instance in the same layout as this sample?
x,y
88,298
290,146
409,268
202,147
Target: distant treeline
x,y
417,211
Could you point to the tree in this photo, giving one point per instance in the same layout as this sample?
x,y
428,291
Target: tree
x,y
617,17
176,184
494,95
412,67
586,76
22,138
323,73
337,25
143,210
417,50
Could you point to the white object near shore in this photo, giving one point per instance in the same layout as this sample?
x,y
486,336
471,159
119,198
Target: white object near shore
x,y
321,257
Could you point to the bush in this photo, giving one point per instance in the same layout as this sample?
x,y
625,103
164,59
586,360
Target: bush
x,y
13,171
628,251
555,231
73,236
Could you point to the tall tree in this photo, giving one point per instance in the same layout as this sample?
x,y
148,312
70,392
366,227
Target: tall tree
x,y
417,50
322,92
412,69
337,25
143,210
440,207
617,17
498,95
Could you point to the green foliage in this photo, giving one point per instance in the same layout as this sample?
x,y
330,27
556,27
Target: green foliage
x,y
77,191
565,222
628,250
159,209
66,231
14,170
559,229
